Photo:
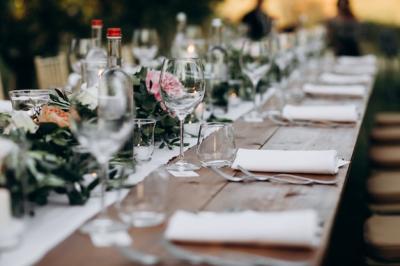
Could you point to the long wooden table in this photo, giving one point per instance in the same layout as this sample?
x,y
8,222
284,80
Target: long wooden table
x,y
211,193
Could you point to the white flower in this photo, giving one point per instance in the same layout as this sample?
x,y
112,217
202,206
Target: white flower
x,y
7,147
20,119
88,96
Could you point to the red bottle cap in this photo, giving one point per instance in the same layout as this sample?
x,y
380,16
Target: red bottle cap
x,y
114,32
97,22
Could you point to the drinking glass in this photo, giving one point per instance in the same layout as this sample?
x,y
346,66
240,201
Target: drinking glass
x,y
216,144
143,139
30,101
146,203
145,45
182,89
77,51
103,132
255,62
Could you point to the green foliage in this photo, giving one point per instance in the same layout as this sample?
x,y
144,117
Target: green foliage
x,y
167,128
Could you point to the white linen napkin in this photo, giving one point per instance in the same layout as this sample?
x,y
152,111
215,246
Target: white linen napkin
x,y
357,60
282,161
354,69
5,106
344,79
289,228
335,90
335,113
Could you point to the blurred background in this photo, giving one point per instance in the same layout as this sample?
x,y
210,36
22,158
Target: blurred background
x,y
46,27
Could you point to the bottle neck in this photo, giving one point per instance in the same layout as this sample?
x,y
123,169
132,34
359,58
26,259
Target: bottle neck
x,y
216,36
114,52
181,27
96,36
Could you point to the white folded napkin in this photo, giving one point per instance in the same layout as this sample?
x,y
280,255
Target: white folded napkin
x,y
335,90
5,106
281,161
344,79
289,228
357,60
335,113
354,69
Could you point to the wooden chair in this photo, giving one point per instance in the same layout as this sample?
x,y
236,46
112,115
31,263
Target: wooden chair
x,y
51,71
1,89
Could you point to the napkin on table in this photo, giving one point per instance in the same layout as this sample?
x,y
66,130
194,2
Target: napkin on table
x,y
354,69
282,161
357,60
335,90
5,106
288,228
335,113
332,78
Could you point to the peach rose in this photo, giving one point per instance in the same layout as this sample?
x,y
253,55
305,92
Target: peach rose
x,y
52,114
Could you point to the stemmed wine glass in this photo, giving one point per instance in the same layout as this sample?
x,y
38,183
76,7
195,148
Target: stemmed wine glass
x,y
145,44
103,132
182,89
255,62
77,51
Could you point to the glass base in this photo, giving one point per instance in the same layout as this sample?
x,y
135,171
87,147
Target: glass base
x,y
217,163
143,218
253,117
102,225
182,166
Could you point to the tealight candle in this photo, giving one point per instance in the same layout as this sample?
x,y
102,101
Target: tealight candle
x,y
233,99
5,207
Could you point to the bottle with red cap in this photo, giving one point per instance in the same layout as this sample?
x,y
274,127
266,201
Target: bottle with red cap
x,y
96,52
114,78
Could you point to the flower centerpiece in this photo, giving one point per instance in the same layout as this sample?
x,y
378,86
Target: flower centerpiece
x,y
49,159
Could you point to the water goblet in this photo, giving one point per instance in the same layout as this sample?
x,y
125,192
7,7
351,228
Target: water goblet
x,y
182,89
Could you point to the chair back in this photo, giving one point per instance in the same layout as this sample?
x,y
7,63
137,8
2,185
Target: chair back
x,y
1,89
51,72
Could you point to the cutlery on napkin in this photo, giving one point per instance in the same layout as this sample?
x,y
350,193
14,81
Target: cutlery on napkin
x,y
344,79
336,113
335,90
281,161
288,228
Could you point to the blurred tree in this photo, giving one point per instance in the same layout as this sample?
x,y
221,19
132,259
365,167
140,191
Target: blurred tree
x,y
37,27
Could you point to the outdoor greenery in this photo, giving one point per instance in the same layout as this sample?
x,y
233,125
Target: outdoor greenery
x,y
43,27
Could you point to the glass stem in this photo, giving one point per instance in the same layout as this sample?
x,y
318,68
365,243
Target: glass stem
x,y
255,96
103,181
181,140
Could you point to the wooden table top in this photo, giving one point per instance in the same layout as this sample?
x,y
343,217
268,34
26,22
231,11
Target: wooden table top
x,y
210,192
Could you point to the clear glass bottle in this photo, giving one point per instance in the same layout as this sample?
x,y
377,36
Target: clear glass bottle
x,y
217,57
114,78
96,52
180,40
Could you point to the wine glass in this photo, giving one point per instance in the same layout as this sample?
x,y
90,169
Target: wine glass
x,y
103,132
182,88
255,62
77,51
145,45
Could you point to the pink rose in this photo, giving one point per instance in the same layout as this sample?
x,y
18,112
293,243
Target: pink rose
x,y
170,84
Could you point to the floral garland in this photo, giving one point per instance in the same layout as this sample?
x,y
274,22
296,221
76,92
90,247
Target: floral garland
x,y
48,161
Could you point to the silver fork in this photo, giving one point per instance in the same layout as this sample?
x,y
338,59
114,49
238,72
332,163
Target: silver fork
x,y
258,178
297,177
